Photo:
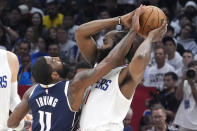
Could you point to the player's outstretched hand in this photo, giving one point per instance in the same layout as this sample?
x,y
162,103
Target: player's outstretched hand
x,y
126,19
157,34
135,19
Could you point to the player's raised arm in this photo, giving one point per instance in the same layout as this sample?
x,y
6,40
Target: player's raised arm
x,y
84,33
114,59
142,56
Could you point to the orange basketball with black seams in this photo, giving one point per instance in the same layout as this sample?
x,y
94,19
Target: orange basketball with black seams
x,y
152,18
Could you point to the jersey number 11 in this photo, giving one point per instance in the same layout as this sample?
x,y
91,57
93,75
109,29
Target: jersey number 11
x,y
47,123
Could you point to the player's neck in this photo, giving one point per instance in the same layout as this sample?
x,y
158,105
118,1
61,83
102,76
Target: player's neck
x,y
56,80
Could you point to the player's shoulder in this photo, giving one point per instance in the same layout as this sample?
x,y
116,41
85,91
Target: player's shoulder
x,y
11,55
29,92
12,59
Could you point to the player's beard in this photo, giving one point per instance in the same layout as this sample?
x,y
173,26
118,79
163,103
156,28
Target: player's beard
x,y
102,53
64,71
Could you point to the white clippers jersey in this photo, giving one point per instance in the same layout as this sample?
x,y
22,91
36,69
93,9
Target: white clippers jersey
x,y
105,107
5,90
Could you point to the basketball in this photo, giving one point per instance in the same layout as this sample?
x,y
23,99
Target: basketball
x,y
152,18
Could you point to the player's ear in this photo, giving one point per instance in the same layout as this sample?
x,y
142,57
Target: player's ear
x,y
55,75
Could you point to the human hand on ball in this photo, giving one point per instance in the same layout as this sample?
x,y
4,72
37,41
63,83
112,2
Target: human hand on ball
x,y
157,34
126,19
135,18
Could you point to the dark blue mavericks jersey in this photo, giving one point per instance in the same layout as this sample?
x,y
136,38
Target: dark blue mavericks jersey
x,y
50,108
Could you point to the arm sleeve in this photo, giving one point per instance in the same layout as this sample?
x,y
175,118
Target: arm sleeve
x,y
15,99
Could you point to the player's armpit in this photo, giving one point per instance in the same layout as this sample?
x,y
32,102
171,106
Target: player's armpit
x,y
126,83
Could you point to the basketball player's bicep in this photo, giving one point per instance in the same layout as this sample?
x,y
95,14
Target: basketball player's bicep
x,y
136,73
87,46
13,64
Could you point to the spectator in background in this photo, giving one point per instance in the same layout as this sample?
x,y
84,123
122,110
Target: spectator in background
x,y
37,23
53,50
32,9
187,58
190,10
24,48
4,39
31,38
69,24
68,48
173,57
52,35
159,118
25,15
14,21
170,31
154,47
186,116
167,96
54,18
179,23
103,14
42,49
24,75
167,12
2,9
7,36
127,120
146,123
186,40
155,74
25,64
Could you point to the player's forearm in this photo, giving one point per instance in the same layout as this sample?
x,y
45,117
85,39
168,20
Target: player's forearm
x,y
93,27
140,60
122,48
12,124
144,51
14,99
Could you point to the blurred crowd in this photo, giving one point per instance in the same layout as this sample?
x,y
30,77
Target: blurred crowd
x,y
34,28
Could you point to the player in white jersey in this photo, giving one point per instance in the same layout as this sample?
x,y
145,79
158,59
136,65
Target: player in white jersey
x,y
8,87
109,99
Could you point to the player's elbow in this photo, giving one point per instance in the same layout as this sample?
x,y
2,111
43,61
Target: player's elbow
x,y
141,56
11,123
78,32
